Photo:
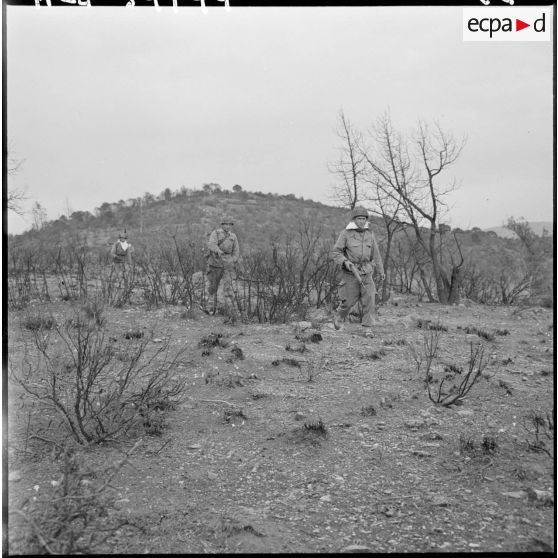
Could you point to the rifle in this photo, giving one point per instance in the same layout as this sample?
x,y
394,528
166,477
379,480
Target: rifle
x,y
353,269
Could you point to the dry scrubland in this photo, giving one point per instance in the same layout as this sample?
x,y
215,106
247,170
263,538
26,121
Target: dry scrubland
x,y
295,437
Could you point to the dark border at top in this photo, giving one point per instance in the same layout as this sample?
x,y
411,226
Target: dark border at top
x,y
274,3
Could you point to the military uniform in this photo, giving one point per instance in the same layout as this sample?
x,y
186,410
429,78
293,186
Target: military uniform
x,y
357,247
223,254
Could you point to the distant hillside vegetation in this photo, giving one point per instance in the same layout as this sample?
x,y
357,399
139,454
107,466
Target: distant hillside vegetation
x,y
538,227
259,218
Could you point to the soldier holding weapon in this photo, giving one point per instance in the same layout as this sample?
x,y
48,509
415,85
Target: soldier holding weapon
x,y
356,252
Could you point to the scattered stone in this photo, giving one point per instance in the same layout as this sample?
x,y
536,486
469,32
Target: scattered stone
x,y
14,476
212,476
194,447
414,423
441,501
420,453
356,548
325,498
465,412
517,494
299,416
296,347
544,496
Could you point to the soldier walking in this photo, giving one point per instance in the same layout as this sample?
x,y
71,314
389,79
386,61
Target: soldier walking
x,y
223,255
356,252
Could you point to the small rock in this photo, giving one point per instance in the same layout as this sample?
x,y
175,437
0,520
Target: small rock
x,y
465,413
212,476
14,476
157,340
544,496
325,498
441,501
356,548
423,454
299,416
194,447
516,494
414,423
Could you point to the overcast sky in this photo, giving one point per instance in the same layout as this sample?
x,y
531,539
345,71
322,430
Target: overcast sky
x,y
109,103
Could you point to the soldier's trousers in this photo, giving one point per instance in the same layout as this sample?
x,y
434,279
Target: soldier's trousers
x,y
215,276
350,292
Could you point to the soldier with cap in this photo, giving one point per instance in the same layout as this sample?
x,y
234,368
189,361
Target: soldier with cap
x,y
223,255
121,251
356,252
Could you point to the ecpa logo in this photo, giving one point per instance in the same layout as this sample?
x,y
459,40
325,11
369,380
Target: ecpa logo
x,y
507,24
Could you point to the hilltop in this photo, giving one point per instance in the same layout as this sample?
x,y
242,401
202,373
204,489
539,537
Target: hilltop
x,y
259,218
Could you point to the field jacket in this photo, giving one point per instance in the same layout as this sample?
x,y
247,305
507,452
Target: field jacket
x,y
223,249
359,247
121,255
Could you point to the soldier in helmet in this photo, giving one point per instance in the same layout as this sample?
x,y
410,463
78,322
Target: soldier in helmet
x,y
223,255
121,251
356,252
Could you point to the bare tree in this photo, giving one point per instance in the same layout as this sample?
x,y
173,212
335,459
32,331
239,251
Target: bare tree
x,y
351,166
412,182
15,196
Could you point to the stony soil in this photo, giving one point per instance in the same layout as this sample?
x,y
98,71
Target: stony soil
x,y
341,450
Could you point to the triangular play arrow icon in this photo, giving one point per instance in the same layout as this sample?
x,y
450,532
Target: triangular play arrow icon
x,y
519,25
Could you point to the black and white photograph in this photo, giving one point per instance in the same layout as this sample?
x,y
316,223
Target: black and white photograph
x,y
278,279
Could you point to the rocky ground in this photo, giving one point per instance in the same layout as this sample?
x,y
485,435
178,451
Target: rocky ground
x,y
300,438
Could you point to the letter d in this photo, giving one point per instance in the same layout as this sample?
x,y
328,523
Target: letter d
x,y
536,24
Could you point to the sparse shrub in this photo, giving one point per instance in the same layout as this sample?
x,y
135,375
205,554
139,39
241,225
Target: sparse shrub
x,y
398,342
430,325
507,361
453,369
467,445
458,390
540,428
35,323
505,386
134,334
368,411
314,367
453,384
93,311
375,355
231,381
502,332
488,444
230,414
212,340
289,361
96,396
317,427
480,332
72,513
310,337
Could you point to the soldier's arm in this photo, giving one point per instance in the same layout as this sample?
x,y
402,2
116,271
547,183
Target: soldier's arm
x,y
338,252
113,250
212,243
